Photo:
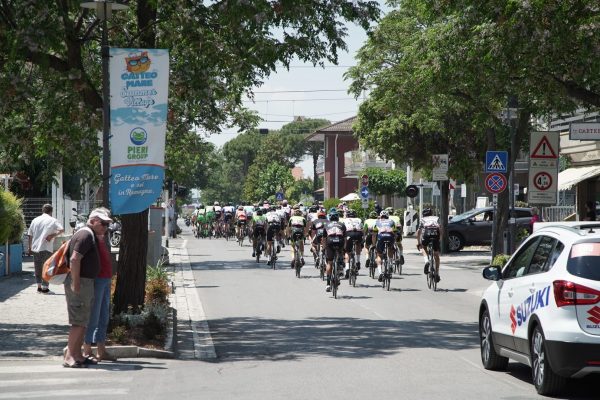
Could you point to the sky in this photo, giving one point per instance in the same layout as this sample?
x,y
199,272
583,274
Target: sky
x,y
304,90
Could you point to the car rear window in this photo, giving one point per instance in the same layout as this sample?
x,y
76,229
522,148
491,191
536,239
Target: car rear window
x,y
584,260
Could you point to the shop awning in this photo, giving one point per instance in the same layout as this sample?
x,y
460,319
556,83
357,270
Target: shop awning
x,y
572,176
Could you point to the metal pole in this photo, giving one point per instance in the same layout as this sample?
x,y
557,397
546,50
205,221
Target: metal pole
x,y
511,188
105,113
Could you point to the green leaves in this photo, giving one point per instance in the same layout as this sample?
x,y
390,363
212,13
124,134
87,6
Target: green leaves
x,y
385,181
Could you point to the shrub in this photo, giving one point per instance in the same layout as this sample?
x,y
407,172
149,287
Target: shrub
x,y
500,260
118,333
12,223
331,202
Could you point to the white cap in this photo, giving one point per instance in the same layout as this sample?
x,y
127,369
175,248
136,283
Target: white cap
x,y
100,213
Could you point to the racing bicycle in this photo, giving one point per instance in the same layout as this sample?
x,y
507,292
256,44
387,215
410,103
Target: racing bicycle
x,y
431,281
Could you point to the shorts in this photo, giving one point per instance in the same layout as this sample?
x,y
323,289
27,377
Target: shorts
x,y
79,306
369,240
352,237
272,230
317,238
332,246
435,241
297,234
228,217
382,240
241,222
258,231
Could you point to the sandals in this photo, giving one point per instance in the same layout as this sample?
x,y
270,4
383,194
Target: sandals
x,y
77,364
90,360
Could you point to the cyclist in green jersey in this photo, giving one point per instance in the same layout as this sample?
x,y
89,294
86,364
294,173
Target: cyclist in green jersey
x,y
368,229
259,230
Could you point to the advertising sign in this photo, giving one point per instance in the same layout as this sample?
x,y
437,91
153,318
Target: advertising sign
x,y
139,87
584,131
543,167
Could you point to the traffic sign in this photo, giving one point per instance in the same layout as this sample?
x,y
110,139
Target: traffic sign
x,y
440,167
279,196
365,180
496,161
365,203
364,192
543,168
495,182
542,180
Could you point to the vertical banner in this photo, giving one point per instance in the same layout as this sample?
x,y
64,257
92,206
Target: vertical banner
x,y
139,87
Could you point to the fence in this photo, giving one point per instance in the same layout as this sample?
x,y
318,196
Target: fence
x,y
557,213
32,207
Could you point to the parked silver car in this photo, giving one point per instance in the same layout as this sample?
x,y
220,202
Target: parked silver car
x,y
474,227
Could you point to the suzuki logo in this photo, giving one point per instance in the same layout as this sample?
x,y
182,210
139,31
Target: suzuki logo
x,y
594,315
513,319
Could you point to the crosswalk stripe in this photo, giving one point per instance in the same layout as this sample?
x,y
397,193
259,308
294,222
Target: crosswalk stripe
x,y
64,393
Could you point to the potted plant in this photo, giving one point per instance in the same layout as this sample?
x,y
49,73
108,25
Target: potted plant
x,y
12,226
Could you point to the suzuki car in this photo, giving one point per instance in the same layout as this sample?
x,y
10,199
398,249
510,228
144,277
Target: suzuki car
x,y
543,307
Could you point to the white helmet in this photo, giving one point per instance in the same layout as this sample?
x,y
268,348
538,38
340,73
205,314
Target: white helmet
x,y
384,214
216,203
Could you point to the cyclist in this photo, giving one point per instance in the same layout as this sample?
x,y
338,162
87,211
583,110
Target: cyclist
x,y
240,221
218,216
273,230
312,213
210,218
284,223
259,222
228,212
199,219
317,229
297,228
354,238
286,209
383,232
396,218
429,231
195,223
334,235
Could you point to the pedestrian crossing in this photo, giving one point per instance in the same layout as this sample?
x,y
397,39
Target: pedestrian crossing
x,y
35,380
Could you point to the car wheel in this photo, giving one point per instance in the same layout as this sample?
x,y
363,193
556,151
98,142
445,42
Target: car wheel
x,y
545,380
489,358
455,241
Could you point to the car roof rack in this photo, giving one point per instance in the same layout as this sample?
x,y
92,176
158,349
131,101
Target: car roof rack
x,y
574,226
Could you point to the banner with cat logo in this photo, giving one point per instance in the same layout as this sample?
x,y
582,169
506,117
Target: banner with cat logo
x,y
139,87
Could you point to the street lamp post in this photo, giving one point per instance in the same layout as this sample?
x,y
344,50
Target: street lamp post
x,y
104,10
511,118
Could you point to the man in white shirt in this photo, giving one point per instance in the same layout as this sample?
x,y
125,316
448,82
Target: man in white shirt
x,y
42,231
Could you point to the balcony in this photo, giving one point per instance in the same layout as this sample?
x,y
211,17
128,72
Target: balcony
x,y
357,160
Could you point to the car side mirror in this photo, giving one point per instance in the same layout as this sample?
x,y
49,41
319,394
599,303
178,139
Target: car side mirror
x,y
492,273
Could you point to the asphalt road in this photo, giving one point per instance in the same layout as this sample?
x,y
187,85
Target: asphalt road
x,y
277,336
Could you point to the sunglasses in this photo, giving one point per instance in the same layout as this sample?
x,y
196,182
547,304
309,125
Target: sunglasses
x,y
142,60
104,223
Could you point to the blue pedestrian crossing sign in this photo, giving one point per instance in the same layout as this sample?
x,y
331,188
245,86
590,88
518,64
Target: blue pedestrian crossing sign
x,y
279,196
496,161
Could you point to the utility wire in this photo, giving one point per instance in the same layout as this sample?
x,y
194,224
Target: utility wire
x,y
302,91
269,101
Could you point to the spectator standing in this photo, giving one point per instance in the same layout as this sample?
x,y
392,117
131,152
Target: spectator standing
x,y
99,315
42,231
590,211
79,286
535,217
377,208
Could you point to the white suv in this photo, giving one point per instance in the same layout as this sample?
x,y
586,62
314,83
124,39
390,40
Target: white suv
x,y
542,310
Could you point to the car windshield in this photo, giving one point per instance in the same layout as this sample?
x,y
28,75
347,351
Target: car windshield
x,y
584,260
465,215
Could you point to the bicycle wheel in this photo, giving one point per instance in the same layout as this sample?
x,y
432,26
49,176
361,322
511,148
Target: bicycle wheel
x,y
430,277
273,256
432,268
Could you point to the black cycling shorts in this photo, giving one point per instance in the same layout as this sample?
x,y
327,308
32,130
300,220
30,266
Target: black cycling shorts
x,y
272,231
258,231
352,237
435,241
228,217
333,243
384,239
369,240
241,222
297,234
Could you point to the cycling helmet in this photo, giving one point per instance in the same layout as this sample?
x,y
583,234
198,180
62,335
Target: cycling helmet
x,y
384,214
216,203
259,212
351,213
240,207
197,207
295,207
390,210
313,209
298,212
334,217
372,215
427,212
321,213
333,210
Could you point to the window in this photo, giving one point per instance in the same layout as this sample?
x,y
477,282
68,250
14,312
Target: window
x,y
584,260
519,263
554,256
541,255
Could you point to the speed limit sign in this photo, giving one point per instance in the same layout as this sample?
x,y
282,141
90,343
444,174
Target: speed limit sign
x,y
542,181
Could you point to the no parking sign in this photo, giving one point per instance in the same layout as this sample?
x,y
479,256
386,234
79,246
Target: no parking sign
x,y
495,183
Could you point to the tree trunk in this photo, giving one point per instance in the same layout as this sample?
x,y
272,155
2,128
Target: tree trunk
x,y
315,157
131,272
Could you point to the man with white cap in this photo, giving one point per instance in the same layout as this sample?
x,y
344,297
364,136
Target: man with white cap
x,y
87,260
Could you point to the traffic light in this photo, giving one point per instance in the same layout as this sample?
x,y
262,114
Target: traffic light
x,y
263,131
